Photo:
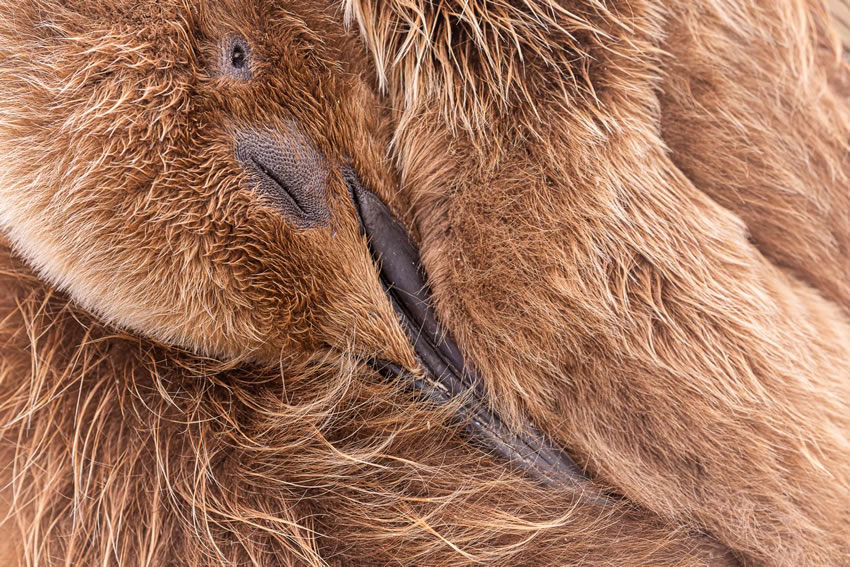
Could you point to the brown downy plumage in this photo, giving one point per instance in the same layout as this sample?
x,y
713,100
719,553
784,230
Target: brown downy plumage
x,y
635,220
182,377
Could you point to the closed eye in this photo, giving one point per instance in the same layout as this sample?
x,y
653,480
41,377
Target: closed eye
x,y
265,170
287,169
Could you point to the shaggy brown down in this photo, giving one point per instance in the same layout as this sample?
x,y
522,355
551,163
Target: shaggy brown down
x,y
636,221
631,214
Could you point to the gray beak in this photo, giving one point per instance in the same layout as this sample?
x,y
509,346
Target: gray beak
x,y
446,375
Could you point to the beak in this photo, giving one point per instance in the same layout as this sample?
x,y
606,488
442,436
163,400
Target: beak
x,y
446,377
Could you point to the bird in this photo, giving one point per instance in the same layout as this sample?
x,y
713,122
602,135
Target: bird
x,y
195,313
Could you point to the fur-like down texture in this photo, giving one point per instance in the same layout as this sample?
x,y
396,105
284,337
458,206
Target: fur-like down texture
x,y
595,188
647,215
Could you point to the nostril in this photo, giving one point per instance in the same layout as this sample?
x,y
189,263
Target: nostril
x,y
287,169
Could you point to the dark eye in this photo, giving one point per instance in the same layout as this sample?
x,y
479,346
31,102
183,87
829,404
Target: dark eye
x,y
238,56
